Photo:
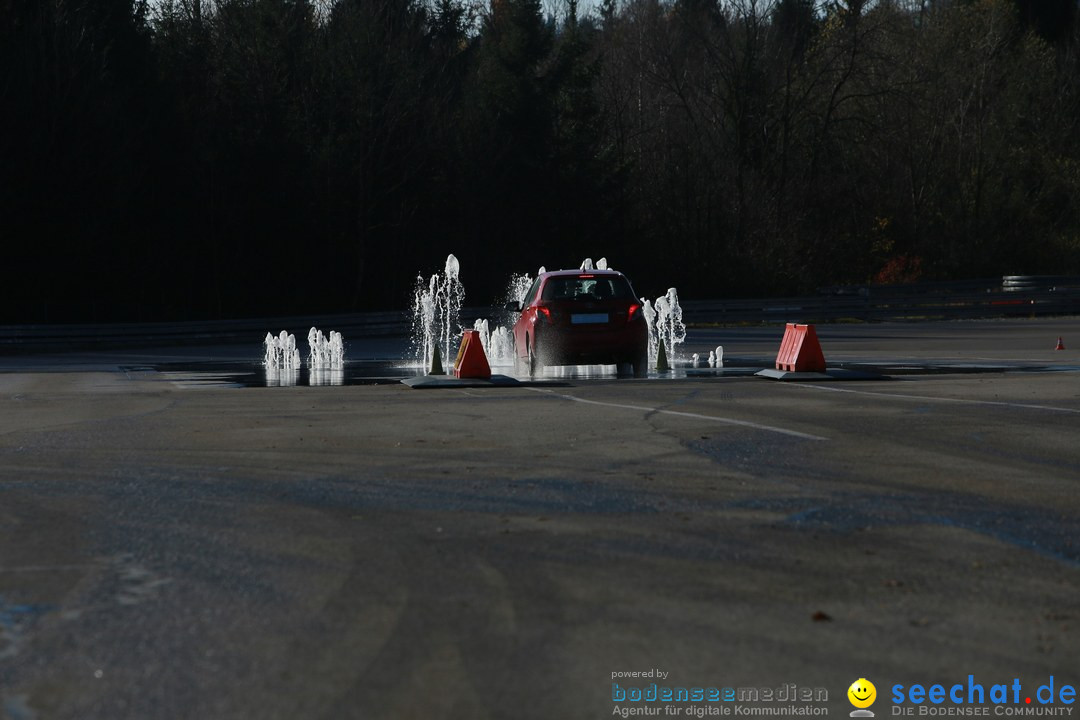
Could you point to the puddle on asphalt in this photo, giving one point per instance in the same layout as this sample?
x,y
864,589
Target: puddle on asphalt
x,y
364,372
246,374
250,374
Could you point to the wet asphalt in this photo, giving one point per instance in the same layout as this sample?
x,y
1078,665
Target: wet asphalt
x,y
172,548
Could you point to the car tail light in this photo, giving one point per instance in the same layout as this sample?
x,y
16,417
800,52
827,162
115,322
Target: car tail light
x,y
541,310
632,311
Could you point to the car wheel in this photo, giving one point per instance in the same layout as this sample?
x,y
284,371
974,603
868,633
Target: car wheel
x,y
641,364
534,359
518,364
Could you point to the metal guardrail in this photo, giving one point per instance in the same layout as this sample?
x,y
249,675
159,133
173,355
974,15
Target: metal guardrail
x,y
53,337
1012,296
1014,283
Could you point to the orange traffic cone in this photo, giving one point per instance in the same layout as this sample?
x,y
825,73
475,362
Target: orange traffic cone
x,y
1060,345
471,361
800,350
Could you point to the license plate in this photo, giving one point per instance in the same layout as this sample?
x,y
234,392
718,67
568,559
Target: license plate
x,y
588,318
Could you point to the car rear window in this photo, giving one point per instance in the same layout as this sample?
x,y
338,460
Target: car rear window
x,y
587,287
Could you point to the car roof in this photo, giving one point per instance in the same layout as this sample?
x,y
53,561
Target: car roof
x,y
576,273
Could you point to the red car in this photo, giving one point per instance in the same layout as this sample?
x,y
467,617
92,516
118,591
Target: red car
x,y
573,317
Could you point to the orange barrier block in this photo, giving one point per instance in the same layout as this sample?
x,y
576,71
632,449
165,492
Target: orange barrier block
x,y
471,361
800,350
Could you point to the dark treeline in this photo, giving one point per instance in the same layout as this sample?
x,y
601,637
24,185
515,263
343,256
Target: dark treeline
x,y
215,158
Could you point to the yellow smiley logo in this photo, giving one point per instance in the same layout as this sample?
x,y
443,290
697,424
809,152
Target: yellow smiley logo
x,y
862,693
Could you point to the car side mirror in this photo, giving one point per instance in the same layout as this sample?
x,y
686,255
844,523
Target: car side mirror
x,y
513,305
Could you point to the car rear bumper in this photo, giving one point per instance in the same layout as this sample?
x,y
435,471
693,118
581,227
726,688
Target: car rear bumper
x,y
573,345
